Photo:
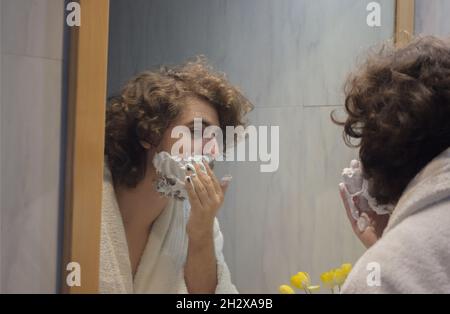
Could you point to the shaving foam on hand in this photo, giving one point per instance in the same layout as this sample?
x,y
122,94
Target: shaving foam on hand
x,y
355,187
172,171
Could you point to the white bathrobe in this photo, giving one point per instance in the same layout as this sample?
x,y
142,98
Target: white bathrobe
x,y
414,251
161,268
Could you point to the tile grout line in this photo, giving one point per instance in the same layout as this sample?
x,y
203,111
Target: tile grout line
x,y
30,56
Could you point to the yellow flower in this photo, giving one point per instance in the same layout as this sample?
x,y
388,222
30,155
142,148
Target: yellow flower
x,y
285,289
300,280
313,288
346,268
328,279
339,276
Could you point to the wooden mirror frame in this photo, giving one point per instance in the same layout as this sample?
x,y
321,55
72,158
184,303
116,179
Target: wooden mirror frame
x,y
87,80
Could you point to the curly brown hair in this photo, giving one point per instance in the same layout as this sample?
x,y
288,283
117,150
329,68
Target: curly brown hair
x,y
398,107
149,102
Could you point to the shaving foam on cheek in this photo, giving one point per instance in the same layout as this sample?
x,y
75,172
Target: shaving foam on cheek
x,y
173,170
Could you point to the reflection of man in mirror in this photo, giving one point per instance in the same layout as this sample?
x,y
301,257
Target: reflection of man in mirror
x,y
151,243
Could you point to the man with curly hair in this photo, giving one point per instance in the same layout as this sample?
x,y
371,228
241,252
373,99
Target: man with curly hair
x,y
151,243
398,107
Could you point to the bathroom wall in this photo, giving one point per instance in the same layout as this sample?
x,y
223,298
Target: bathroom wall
x,y
30,134
290,57
432,17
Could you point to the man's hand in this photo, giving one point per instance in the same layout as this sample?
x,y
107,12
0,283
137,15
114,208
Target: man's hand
x,y
206,196
377,222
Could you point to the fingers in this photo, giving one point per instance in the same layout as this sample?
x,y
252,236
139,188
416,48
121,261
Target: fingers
x,y
344,193
216,184
220,186
200,190
206,181
369,235
208,191
193,197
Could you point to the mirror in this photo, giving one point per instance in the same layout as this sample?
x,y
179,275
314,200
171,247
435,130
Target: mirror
x,y
281,213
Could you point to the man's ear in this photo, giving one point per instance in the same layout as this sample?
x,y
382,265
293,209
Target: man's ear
x,y
145,144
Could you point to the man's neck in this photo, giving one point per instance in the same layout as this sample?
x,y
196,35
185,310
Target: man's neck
x,y
140,206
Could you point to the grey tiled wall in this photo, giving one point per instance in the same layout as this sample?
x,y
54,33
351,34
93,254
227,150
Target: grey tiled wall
x,y
30,127
432,17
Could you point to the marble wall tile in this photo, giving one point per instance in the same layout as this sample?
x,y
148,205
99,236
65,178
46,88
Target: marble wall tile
x,y
30,179
432,17
333,36
30,136
263,45
33,27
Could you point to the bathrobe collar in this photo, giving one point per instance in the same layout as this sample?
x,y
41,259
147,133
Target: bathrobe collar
x,y
430,185
162,260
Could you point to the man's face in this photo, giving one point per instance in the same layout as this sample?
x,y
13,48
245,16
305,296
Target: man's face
x,y
194,109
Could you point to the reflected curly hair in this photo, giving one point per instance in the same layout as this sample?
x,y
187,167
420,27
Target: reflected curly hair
x,y
148,104
398,107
